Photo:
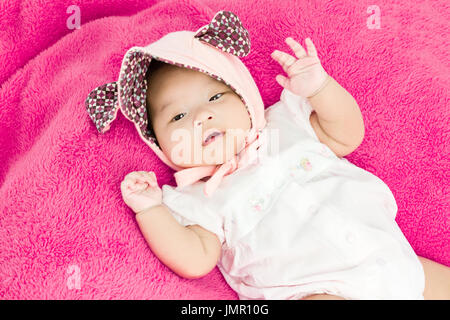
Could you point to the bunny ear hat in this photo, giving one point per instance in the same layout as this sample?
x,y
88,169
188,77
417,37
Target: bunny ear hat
x,y
214,49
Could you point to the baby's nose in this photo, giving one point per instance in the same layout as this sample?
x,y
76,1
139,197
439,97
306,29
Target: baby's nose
x,y
199,121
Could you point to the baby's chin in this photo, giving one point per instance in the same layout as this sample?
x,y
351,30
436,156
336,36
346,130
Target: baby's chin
x,y
201,164
204,162
187,166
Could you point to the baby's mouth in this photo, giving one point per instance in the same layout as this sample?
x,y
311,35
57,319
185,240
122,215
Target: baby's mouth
x,y
212,137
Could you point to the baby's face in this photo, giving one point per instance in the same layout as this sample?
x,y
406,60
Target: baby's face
x,y
185,107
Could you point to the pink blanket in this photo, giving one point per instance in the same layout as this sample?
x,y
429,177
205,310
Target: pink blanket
x,y
65,232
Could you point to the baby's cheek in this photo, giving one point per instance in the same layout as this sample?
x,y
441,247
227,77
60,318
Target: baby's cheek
x,y
232,145
185,153
180,156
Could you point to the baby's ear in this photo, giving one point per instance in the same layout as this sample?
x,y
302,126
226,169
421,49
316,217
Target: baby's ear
x,y
225,32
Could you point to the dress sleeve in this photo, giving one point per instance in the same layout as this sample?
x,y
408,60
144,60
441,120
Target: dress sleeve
x,y
189,209
297,109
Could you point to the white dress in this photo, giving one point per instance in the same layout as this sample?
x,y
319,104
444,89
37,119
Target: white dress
x,y
301,221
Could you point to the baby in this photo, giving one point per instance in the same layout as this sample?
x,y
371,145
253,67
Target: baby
x,y
300,222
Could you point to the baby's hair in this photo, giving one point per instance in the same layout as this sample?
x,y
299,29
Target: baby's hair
x,y
154,65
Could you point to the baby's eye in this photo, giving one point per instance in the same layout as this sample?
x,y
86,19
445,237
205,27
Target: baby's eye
x,y
177,116
215,96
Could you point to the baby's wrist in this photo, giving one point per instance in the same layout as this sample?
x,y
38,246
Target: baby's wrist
x,y
148,209
322,86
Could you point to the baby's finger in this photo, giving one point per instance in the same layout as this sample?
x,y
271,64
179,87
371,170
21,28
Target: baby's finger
x,y
312,51
149,177
142,185
126,186
134,177
282,80
296,47
155,180
148,173
284,59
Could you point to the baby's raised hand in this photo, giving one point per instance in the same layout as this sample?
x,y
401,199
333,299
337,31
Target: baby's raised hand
x,y
305,74
140,190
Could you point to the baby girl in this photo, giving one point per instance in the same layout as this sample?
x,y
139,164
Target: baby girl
x,y
263,194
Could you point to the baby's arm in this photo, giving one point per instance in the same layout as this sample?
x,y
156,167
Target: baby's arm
x,y
337,120
191,252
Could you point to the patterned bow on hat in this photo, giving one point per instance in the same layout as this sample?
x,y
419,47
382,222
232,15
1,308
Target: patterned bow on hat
x,y
226,33
102,105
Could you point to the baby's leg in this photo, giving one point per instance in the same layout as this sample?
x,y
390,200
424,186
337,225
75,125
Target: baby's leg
x,y
437,280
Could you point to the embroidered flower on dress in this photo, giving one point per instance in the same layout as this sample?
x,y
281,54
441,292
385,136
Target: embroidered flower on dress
x,y
259,202
305,164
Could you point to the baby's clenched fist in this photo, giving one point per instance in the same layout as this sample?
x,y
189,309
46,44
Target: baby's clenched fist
x,y
140,190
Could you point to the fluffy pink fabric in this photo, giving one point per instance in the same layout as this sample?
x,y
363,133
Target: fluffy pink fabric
x,y
60,201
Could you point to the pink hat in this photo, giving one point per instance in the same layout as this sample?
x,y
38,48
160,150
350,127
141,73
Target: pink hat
x,y
214,49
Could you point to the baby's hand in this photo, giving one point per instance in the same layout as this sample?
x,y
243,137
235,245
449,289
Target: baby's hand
x,y
140,190
305,75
